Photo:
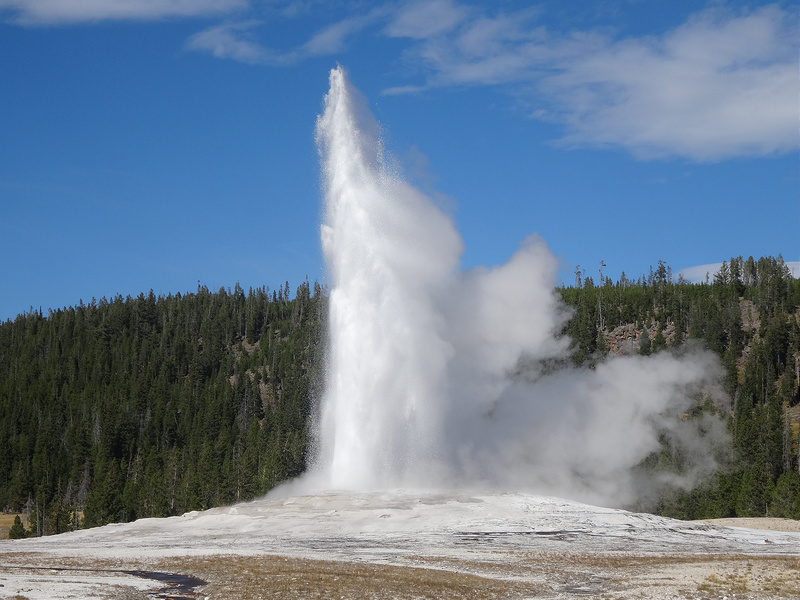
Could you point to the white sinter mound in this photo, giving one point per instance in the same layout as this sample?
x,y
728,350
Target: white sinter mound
x,y
456,531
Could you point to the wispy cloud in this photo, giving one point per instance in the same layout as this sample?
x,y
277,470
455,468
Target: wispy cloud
x,y
232,40
334,38
425,18
719,86
237,41
36,12
701,273
722,85
482,50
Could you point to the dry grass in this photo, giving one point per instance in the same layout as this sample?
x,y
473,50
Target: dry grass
x,y
620,560
754,578
545,575
7,520
275,577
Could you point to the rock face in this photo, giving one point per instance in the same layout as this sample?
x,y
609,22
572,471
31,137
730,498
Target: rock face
x,y
623,340
496,536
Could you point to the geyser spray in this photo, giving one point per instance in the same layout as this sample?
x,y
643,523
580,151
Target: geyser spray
x,y
434,375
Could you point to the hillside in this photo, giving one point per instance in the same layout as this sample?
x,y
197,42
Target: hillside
x,y
748,315
155,406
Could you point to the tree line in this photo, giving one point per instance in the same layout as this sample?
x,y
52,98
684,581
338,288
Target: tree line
x,y
747,313
154,406
157,405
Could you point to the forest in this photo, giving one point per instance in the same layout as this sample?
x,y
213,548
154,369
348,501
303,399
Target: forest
x,y
157,405
748,315
154,406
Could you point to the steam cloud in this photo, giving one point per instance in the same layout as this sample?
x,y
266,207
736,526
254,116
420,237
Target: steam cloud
x,y
435,376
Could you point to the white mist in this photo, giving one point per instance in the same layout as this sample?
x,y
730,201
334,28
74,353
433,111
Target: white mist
x,y
433,379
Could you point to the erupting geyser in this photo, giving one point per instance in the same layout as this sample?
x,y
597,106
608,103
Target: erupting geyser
x,y
435,376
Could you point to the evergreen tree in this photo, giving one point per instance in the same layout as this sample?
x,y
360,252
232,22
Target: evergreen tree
x,y
17,530
785,500
645,346
659,341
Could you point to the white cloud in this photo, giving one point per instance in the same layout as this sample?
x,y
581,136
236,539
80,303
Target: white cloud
x,y
73,11
719,86
236,41
400,90
426,18
714,88
334,38
231,40
484,51
699,273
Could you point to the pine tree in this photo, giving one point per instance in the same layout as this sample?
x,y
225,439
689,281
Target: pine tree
x,y
645,346
659,341
785,500
17,530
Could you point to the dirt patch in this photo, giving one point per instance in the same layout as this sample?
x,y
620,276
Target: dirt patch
x,y
538,575
284,577
765,523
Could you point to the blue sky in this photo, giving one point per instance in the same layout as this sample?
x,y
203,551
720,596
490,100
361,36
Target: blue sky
x,y
156,144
